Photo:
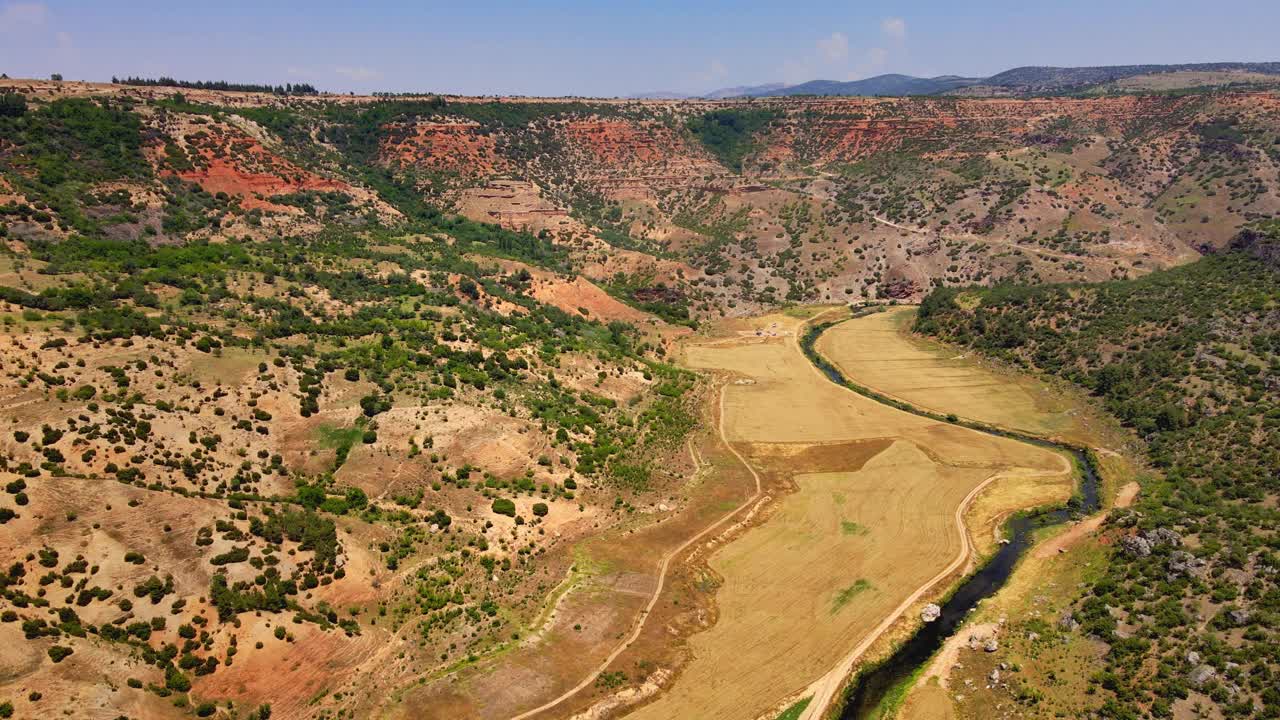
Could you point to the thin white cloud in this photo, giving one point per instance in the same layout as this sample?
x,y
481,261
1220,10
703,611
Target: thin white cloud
x,y
894,28
833,55
358,74
828,51
871,64
834,48
715,71
22,16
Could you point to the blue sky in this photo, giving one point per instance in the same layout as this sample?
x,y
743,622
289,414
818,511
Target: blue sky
x,y
580,47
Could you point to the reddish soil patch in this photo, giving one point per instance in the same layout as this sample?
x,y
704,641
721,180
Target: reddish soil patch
x,y
616,142
446,146
223,158
574,296
290,675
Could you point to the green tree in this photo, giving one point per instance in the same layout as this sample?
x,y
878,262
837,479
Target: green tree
x,y
12,105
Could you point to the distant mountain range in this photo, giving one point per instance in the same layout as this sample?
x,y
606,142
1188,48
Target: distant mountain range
x,y
748,91
1018,81
878,85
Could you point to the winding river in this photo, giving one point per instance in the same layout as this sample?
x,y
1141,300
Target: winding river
x,y
872,684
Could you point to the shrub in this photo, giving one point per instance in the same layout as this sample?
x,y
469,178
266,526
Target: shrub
x,y
374,404
12,105
234,555
503,506
206,344
175,680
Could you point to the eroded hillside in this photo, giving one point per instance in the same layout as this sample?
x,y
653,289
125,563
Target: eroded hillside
x,y
253,420
731,207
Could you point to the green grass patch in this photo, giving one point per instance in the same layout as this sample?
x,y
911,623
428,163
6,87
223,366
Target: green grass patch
x,y
848,527
844,596
893,699
794,712
340,439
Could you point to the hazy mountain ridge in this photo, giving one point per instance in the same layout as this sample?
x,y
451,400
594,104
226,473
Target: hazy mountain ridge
x,y
1020,80
1043,78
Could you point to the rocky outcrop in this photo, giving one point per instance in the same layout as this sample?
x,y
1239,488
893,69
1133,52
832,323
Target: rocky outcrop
x,y
1262,243
1135,545
1068,622
1142,544
667,295
930,613
899,289
1202,675
1240,617
1183,564
1164,536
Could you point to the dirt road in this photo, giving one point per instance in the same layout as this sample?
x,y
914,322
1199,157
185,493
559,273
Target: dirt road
x,y
664,566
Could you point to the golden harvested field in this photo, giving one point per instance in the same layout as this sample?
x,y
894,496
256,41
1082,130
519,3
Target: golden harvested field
x,y
876,352
872,521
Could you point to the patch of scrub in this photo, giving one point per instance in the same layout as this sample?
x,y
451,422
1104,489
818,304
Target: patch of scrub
x,y
849,527
845,595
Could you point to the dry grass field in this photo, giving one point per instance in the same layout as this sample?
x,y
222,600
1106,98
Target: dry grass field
x,y
872,520
876,352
